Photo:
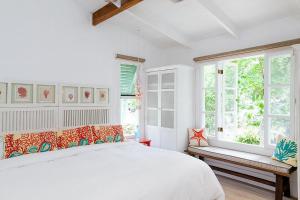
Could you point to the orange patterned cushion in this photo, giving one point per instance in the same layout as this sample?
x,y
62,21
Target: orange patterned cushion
x,y
20,144
108,134
75,137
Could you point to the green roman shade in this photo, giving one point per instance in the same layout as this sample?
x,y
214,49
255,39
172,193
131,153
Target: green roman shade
x,y
128,80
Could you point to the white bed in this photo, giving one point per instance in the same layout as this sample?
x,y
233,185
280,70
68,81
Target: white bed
x,y
120,171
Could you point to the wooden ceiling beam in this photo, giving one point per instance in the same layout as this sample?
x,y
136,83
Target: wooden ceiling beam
x,y
111,10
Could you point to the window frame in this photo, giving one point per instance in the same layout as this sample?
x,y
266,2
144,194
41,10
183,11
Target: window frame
x,y
265,148
141,112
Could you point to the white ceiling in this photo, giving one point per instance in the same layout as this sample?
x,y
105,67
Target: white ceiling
x,y
166,23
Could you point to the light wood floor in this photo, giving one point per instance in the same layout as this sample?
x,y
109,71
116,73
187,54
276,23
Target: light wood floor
x,y
235,190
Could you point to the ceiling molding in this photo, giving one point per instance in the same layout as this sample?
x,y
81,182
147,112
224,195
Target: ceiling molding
x,y
220,17
110,10
167,31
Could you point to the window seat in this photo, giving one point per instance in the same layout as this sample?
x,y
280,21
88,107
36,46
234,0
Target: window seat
x,y
263,163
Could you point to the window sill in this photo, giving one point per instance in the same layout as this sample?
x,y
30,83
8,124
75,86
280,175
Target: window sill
x,y
255,149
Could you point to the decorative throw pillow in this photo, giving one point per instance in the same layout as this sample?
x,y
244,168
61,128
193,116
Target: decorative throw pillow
x,y
27,143
108,134
1,147
75,137
197,137
286,151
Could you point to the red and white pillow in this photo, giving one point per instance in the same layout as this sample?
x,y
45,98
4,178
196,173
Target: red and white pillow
x,y
197,138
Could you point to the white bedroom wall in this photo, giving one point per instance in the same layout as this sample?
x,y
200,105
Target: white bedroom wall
x,y
54,41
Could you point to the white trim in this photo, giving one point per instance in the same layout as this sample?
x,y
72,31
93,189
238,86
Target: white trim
x,y
167,31
220,17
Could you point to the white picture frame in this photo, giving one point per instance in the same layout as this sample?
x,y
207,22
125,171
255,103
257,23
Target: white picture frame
x,y
46,94
87,95
69,94
3,93
21,93
102,96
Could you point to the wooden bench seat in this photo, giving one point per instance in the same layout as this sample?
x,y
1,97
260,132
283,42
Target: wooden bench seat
x,y
263,163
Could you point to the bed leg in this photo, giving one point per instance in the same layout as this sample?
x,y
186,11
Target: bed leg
x,y
279,187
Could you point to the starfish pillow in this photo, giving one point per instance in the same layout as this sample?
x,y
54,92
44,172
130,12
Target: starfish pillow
x,y
197,137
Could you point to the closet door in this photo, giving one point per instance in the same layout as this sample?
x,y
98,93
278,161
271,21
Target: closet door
x,y
167,109
152,104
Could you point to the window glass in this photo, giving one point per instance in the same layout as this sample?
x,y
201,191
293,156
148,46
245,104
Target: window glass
x,y
281,69
280,97
129,115
209,106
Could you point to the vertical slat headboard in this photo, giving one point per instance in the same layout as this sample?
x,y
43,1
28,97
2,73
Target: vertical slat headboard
x,y
50,118
28,119
72,117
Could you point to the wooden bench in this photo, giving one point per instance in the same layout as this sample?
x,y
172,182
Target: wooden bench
x,y
282,171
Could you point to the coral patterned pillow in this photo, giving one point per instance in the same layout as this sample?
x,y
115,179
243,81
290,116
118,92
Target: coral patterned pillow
x,y
197,137
27,143
75,137
286,151
108,134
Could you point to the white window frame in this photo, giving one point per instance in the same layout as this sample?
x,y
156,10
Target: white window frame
x,y
141,112
264,149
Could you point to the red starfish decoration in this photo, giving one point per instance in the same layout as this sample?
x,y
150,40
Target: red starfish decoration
x,y
199,135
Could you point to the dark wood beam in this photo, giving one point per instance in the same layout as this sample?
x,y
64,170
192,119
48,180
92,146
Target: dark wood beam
x,y
248,50
111,10
130,58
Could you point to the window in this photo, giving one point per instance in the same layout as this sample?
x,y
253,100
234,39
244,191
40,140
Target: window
x,y
248,100
129,104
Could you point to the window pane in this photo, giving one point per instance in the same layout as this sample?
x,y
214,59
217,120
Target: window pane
x,y
281,69
279,126
210,100
230,100
230,75
129,115
210,123
209,76
280,101
243,96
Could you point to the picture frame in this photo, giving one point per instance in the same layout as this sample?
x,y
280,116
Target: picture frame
x,y
46,94
102,96
21,93
87,95
3,93
70,94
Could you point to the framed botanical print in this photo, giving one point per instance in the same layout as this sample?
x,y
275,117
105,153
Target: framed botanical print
x,y
86,95
102,96
45,94
3,93
22,93
70,94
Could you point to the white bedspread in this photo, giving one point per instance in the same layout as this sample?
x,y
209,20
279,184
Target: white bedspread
x,y
120,171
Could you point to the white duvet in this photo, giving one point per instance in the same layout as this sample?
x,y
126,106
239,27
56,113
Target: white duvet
x,y
120,171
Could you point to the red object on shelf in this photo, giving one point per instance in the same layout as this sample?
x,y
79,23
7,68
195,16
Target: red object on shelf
x,y
145,141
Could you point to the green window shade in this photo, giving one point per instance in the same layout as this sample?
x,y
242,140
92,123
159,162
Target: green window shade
x,y
128,80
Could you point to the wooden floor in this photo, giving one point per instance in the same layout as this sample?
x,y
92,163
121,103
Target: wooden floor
x,y
235,190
